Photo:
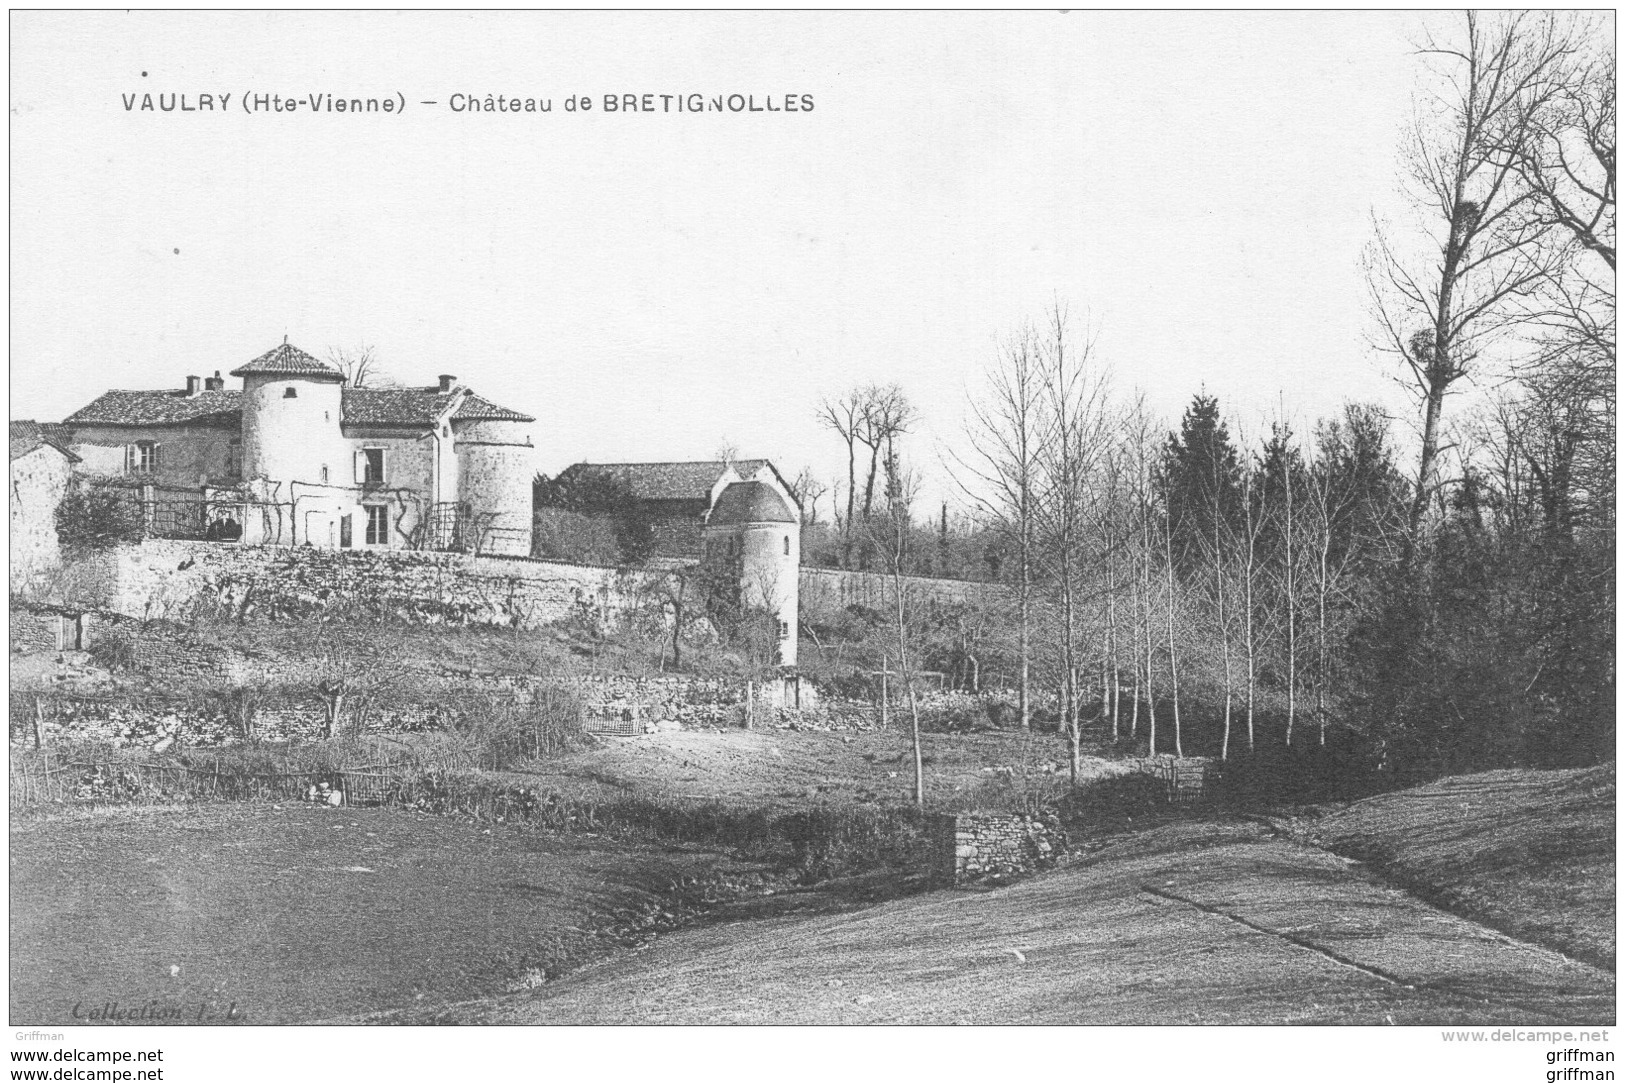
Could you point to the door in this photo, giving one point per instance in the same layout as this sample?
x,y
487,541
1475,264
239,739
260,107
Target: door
x,y
345,538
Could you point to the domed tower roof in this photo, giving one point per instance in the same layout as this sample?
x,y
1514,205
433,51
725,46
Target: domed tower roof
x,y
750,502
286,360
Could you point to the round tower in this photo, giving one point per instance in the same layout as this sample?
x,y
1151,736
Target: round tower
x,y
754,528
292,412
494,478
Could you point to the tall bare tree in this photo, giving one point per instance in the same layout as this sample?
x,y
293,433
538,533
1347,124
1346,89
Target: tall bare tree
x,y
1076,394
1074,389
844,417
1000,474
885,415
359,365
807,488
889,534
1443,292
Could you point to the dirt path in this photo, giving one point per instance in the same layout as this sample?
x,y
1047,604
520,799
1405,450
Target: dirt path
x,y
1185,924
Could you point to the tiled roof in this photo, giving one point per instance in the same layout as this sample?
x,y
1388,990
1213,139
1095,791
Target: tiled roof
x,y
750,502
410,406
162,408
417,407
475,408
391,407
668,481
27,436
286,360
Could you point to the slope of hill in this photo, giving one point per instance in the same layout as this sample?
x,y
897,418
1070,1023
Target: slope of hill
x,y
1528,852
1187,923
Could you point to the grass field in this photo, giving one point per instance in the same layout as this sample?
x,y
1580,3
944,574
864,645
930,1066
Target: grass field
x,y
1187,923
1531,853
298,913
787,767
1190,923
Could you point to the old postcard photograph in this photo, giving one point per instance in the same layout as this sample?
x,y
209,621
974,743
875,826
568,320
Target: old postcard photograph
x,y
1093,521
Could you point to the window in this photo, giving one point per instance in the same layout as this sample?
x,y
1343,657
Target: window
x,y
141,458
787,545
291,393
784,629
324,473
234,459
369,466
377,525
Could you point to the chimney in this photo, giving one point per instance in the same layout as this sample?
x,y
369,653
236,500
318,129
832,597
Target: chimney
x,y
192,386
446,383
214,383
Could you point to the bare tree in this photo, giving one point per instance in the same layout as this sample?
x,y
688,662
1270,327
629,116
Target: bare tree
x,y
1440,297
1173,594
1255,514
1217,546
889,534
677,592
360,366
1074,393
1566,412
1141,451
844,417
1566,155
886,415
807,488
1000,474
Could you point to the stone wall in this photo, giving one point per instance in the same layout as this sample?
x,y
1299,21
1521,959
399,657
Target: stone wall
x,y
622,705
839,588
159,723
38,481
35,629
181,580
974,846
655,704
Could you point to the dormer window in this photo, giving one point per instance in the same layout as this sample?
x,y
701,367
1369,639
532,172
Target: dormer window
x,y
291,393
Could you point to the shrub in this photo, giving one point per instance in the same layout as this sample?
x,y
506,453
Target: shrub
x,y
505,730
844,840
88,519
1111,803
113,648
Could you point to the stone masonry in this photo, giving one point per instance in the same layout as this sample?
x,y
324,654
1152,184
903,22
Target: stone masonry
x,y
971,846
179,580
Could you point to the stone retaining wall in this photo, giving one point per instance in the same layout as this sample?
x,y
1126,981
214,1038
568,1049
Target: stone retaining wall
x,y
181,580
974,846
34,629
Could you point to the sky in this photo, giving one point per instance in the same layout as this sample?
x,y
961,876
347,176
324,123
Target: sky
x,y
1196,187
